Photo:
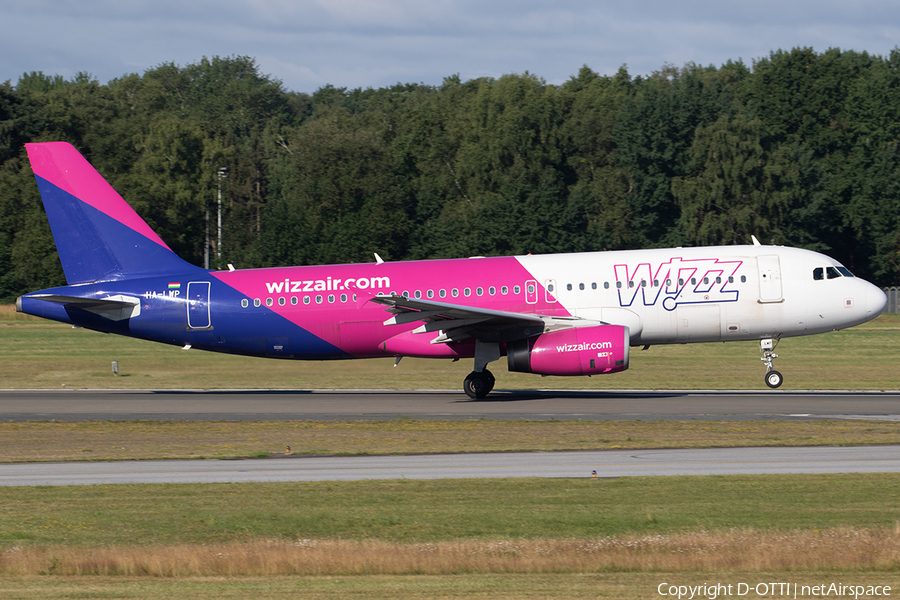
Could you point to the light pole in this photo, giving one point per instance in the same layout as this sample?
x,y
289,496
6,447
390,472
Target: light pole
x,y
222,173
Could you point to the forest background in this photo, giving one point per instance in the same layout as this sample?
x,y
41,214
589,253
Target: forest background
x,y
801,149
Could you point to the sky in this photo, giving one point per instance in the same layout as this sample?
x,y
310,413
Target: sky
x,y
307,44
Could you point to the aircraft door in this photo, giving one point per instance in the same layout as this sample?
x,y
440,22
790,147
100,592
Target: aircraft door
x,y
531,291
198,305
769,278
550,291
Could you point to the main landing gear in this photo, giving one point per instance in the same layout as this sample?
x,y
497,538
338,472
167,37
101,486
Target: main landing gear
x,y
480,382
478,385
773,378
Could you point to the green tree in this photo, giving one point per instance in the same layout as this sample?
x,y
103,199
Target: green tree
x,y
724,202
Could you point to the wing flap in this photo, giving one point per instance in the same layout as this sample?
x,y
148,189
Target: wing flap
x,y
457,322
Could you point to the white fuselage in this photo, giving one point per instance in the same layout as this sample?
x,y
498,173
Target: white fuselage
x,y
711,294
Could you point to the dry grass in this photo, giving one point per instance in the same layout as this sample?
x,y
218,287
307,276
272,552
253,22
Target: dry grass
x,y
516,586
841,549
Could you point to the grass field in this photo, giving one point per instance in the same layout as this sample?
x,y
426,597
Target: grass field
x,y
41,354
140,440
432,511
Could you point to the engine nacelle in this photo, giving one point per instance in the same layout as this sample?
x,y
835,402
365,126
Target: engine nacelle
x,y
573,351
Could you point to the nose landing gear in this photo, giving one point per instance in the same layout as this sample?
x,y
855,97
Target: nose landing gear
x,y
773,378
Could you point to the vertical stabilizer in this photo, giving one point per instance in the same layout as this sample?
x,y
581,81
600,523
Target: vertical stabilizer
x,y
98,235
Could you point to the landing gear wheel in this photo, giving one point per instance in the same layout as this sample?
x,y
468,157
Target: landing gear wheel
x,y
478,385
774,379
491,381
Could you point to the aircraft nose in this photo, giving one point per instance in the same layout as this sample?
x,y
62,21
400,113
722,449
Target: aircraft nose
x,y
876,302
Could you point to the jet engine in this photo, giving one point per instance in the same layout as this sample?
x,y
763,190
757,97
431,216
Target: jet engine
x,y
574,351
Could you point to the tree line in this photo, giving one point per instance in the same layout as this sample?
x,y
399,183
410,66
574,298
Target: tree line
x,y
801,149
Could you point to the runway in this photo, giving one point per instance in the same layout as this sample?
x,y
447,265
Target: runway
x,y
613,463
235,405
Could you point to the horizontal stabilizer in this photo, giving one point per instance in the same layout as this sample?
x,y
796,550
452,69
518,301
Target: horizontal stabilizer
x,y
114,308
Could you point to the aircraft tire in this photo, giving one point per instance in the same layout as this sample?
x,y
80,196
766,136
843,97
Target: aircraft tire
x,y
774,379
477,385
491,381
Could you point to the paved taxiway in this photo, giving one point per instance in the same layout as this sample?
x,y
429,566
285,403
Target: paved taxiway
x,y
615,463
81,405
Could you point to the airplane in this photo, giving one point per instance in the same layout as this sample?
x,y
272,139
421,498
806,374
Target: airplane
x,y
555,314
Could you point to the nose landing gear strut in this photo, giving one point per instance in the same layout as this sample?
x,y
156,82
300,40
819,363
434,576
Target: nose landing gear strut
x,y
773,378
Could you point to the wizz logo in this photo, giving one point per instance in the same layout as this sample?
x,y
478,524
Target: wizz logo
x,y
678,281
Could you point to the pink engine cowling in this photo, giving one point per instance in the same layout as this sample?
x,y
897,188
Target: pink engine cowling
x,y
575,351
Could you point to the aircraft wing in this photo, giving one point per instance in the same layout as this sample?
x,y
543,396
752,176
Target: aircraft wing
x,y
457,322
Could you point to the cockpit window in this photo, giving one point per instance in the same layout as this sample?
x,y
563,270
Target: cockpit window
x,y
819,273
845,272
